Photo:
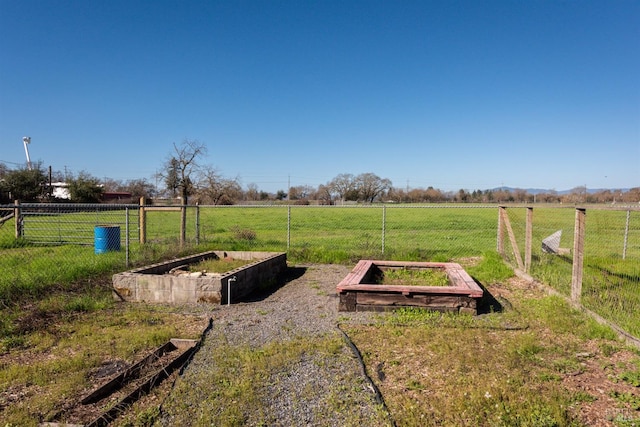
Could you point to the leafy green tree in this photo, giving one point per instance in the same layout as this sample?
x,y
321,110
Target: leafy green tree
x,y
24,184
85,188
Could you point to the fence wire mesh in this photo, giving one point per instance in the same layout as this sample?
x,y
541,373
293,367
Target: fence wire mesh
x,y
610,276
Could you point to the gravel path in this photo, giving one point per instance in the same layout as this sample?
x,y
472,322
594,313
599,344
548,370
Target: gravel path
x,y
305,393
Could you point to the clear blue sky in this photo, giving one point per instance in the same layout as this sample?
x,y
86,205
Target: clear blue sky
x,y
450,94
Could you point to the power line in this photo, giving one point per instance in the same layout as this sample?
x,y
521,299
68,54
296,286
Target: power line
x,y
11,163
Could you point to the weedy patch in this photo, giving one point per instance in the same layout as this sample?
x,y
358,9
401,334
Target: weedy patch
x,y
58,354
239,381
221,265
408,277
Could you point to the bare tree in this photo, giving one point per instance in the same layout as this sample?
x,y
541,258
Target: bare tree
x,y
182,166
217,190
370,186
342,185
252,192
324,195
179,169
300,192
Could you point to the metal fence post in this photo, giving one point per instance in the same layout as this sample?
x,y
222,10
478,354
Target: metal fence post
x,y
183,222
126,236
578,255
288,227
197,223
384,217
626,236
528,240
143,222
500,237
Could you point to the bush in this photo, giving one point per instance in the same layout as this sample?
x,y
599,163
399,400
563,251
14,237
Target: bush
x,y
243,233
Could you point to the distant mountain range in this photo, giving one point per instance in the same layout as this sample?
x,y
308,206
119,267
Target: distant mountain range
x,y
541,190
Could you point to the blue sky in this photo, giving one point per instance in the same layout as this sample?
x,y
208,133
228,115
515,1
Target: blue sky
x,y
449,94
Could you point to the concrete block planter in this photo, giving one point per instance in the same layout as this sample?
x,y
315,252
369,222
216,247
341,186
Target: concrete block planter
x,y
154,284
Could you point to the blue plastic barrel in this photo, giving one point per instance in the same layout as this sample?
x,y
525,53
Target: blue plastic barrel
x,y
106,238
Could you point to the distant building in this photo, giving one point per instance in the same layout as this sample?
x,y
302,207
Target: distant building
x,y
116,196
60,190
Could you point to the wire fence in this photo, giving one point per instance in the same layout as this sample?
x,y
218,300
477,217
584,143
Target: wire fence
x,y
589,255
60,242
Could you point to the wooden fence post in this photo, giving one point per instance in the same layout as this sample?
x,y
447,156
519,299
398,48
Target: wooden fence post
x,y
17,217
528,240
578,255
512,238
142,217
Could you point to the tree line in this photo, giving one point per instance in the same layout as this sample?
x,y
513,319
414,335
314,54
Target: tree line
x,y
183,176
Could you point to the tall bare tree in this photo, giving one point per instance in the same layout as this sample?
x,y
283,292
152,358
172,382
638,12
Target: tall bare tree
x,y
370,186
182,166
214,189
342,185
178,172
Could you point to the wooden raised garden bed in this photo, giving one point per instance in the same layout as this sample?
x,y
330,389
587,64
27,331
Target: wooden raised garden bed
x,y
365,287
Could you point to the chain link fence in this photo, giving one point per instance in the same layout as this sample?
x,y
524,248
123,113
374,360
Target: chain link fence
x,y
58,242
350,233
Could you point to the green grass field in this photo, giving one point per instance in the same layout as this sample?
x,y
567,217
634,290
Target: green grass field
x,y
333,235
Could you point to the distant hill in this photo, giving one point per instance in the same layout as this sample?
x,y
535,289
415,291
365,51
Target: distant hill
x,y
562,192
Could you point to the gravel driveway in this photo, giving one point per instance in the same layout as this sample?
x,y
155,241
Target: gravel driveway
x,y
306,305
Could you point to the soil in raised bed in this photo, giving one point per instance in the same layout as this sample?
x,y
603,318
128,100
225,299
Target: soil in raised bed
x,y
220,265
414,277
211,266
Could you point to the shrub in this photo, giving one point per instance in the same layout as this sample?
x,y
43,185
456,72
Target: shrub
x,y
243,233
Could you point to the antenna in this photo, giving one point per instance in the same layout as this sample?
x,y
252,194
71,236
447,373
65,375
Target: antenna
x,y
27,140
